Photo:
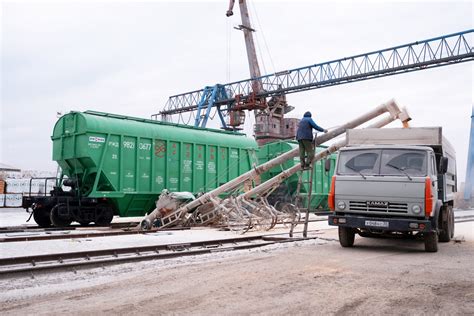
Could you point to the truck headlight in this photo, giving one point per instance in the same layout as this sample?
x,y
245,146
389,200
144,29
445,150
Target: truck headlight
x,y
341,205
416,209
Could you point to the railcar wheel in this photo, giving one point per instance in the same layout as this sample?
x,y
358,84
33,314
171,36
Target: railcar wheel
x,y
41,217
105,215
58,220
346,236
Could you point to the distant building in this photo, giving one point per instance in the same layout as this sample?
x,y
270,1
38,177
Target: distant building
x,y
7,171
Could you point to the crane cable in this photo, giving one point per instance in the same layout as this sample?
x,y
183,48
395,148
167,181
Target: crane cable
x,y
264,39
228,48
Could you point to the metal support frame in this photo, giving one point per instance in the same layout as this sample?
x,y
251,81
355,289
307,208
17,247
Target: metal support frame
x,y
210,96
435,52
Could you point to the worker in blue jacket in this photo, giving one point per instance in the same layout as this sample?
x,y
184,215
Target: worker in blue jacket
x,y
304,136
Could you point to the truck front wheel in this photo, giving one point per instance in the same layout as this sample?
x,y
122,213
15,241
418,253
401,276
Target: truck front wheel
x,y
431,242
346,236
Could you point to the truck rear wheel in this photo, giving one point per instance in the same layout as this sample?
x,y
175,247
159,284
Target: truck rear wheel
x,y
447,225
346,236
431,242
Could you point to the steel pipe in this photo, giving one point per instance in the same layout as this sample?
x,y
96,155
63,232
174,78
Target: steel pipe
x,y
263,187
390,107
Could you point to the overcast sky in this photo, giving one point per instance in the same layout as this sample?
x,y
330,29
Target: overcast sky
x,y
127,58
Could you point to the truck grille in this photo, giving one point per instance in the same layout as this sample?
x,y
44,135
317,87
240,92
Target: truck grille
x,y
390,207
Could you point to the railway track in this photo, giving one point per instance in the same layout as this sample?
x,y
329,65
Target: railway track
x,y
73,233
73,260
55,234
35,228
84,234
464,219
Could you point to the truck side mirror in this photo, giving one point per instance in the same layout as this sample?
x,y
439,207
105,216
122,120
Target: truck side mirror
x,y
327,165
443,165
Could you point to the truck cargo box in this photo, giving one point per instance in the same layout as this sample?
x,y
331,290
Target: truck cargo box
x,y
417,136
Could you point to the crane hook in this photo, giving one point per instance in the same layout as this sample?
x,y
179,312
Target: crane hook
x,y
231,6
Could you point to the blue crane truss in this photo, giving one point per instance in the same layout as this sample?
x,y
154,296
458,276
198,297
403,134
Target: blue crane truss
x,y
435,52
208,97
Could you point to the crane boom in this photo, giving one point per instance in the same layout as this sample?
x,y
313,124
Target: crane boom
x,y
435,52
249,42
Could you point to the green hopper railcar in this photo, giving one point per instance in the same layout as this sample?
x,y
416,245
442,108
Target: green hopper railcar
x,y
118,165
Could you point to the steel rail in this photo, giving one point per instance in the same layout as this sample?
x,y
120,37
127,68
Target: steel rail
x,y
12,229
85,234
435,52
458,219
464,219
120,255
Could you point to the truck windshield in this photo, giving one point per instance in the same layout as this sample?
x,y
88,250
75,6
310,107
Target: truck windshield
x,y
359,161
382,162
400,161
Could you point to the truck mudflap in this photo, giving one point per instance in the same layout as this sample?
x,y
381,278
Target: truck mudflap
x,y
381,224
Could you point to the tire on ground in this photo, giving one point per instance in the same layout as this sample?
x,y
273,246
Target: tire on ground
x,y
346,236
447,226
431,241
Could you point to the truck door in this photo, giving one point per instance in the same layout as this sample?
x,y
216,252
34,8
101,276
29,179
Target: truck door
x,y
437,179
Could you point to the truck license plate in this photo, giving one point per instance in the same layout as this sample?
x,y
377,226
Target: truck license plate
x,y
376,224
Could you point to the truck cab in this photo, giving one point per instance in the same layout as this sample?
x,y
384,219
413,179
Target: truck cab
x,y
394,182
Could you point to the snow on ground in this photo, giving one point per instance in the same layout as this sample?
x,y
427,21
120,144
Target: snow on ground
x,y
15,217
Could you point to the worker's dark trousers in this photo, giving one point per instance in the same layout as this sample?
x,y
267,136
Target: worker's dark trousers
x,y
306,152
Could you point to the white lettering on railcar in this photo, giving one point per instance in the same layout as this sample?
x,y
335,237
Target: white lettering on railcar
x,y
114,156
129,145
159,179
187,166
199,165
211,167
234,154
186,179
144,146
113,144
96,139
